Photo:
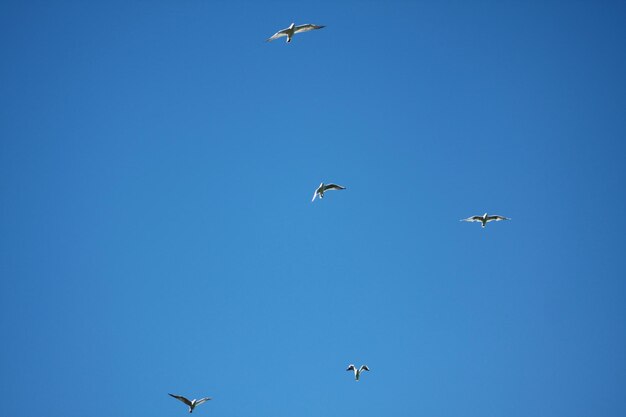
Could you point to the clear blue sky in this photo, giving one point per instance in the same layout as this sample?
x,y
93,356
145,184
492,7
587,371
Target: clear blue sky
x,y
157,161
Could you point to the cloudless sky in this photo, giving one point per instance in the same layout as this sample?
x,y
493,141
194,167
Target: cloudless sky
x,y
157,162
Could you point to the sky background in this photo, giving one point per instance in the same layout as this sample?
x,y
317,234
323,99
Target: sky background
x,y
157,162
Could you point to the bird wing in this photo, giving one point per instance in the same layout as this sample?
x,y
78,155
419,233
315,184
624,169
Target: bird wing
x,y
496,218
202,400
314,195
364,368
306,28
333,187
472,219
181,398
277,35
350,368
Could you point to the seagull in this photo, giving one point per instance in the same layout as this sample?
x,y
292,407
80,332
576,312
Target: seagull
x,y
292,30
325,187
484,219
357,372
191,404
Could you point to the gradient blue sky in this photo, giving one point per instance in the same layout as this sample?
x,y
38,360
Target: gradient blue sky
x,y
157,160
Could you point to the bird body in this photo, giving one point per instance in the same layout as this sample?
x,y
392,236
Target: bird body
x,y
292,30
191,404
484,219
325,187
357,372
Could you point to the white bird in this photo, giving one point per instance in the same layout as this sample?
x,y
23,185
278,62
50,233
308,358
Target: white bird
x,y
484,219
191,404
325,187
357,372
292,30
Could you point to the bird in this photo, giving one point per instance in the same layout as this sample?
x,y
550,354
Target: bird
x,y
325,187
292,30
484,219
191,404
357,372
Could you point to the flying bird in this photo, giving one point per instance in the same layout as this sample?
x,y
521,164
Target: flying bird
x,y
191,404
325,187
292,30
484,219
357,372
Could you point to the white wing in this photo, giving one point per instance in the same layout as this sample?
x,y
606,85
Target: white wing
x,y
278,34
364,368
318,189
472,219
306,28
202,400
496,218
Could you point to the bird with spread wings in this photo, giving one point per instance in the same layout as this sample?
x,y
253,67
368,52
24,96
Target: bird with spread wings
x,y
292,30
191,404
325,187
357,372
484,219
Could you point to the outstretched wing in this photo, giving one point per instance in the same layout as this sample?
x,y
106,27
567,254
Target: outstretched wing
x,y
314,195
496,218
364,368
333,187
277,35
202,400
350,368
306,28
472,219
181,398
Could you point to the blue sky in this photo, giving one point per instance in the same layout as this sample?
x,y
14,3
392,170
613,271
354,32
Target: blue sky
x,y
157,161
